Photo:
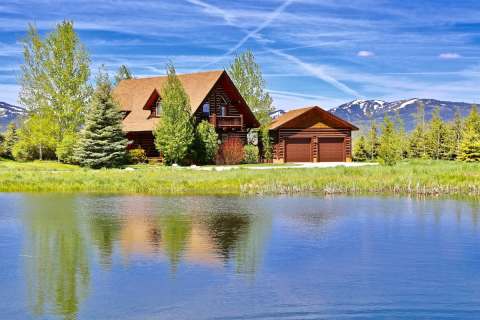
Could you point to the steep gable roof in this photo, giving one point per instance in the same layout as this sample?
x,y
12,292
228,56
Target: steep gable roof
x,y
134,94
294,114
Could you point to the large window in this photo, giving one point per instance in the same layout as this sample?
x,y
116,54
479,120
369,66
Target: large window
x,y
158,108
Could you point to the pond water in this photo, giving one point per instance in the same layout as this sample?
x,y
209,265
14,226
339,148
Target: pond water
x,y
140,257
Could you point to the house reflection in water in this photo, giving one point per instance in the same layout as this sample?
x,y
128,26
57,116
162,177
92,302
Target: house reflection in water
x,y
60,238
209,240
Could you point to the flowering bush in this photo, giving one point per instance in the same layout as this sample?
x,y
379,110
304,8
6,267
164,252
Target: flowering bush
x,y
231,151
137,155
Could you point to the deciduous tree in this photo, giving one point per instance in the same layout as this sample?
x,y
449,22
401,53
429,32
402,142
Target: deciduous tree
x,y
10,137
248,78
54,79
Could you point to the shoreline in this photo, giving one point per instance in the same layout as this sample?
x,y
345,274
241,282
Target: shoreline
x,y
414,178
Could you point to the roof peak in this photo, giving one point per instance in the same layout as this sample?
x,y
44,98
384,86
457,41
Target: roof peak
x,y
178,74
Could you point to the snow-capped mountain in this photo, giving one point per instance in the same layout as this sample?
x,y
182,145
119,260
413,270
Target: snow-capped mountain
x,y
9,113
360,112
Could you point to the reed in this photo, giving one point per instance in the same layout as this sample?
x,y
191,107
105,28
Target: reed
x,y
409,177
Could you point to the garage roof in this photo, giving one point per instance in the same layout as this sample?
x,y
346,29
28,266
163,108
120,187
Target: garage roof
x,y
294,114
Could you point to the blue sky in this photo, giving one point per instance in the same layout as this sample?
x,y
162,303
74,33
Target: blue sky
x,y
323,52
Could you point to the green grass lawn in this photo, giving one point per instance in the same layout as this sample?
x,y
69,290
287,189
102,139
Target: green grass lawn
x,y
412,177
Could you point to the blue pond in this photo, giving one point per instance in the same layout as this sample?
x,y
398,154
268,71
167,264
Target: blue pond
x,y
141,257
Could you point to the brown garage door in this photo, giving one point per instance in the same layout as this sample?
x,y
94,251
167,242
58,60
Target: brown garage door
x,y
298,150
331,149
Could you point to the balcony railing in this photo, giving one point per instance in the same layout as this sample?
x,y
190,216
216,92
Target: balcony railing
x,y
227,122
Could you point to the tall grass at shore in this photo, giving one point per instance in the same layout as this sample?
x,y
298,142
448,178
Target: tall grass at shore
x,y
412,177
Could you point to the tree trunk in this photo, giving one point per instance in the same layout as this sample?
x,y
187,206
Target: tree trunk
x,y
40,153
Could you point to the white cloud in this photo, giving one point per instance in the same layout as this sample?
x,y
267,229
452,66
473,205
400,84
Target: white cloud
x,y
365,54
449,55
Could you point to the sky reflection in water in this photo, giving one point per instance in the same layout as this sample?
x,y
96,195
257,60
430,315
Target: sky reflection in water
x,y
134,257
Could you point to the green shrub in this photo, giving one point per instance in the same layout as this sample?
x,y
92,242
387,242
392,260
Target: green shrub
x,y
137,155
206,143
251,154
23,151
66,148
266,143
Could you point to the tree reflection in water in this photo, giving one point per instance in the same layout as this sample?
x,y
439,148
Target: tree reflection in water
x,y
63,231
58,271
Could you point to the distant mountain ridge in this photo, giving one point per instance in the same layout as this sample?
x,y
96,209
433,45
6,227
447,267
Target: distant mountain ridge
x,y
361,112
9,113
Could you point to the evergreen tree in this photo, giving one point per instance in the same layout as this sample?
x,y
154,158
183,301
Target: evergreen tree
x,y
389,150
470,145
372,142
360,152
457,128
174,133
10,138
54,78
417,141
402,136
123,73
102,142
437,137
247,76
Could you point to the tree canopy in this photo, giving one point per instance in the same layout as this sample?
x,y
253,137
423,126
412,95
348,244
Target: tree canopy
x,y
248,78
54,81
174,133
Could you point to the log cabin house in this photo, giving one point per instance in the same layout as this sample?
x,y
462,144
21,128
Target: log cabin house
x,y
311,134
213,97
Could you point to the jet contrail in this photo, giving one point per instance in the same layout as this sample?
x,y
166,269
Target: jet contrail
x,y
250,34
316,71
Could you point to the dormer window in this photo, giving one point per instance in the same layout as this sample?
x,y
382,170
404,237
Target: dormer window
x,y
158,108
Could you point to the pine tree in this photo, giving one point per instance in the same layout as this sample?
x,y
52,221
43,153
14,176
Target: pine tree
x,y
417,140
102,142
123,73
248,78
372,142
360,152
389,150
402,136
174,134
470,146
9,139
437,137
457,128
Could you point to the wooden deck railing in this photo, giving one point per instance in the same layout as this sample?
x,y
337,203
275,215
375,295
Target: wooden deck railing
x,y
227,121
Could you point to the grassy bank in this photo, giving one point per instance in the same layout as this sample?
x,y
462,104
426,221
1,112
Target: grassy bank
x,y
414,177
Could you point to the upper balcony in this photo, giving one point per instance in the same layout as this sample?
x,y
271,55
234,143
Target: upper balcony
x,y
226,122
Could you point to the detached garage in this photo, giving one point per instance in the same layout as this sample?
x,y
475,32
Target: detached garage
x,y
311,135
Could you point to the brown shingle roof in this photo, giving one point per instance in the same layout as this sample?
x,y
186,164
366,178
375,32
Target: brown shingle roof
x,y
295,113
132,95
